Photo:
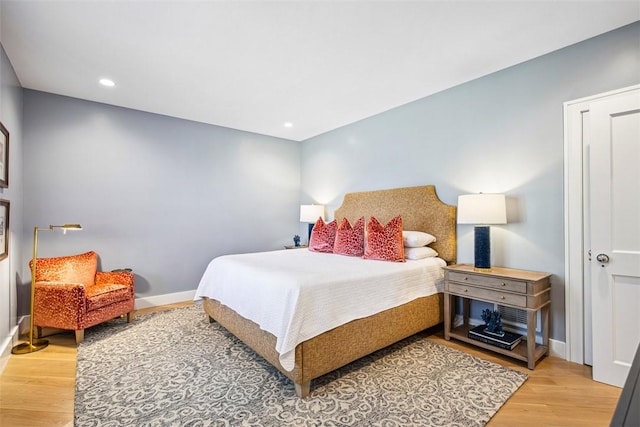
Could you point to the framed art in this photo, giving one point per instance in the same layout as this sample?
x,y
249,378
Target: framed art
x,y
4,157
4,229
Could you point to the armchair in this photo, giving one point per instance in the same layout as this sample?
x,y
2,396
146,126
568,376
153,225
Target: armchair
x,y
70,293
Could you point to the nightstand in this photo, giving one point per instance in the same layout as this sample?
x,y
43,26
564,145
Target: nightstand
x,y
295,247
521,289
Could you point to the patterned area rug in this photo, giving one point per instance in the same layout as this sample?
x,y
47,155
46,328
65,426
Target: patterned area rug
x,y
174,368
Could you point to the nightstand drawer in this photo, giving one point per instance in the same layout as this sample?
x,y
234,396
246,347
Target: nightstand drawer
x,y
508,285
488,295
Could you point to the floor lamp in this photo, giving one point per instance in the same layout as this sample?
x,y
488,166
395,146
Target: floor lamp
x,y
38,344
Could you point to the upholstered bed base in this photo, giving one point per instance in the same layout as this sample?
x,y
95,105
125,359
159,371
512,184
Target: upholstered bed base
x,y
355,339
421,210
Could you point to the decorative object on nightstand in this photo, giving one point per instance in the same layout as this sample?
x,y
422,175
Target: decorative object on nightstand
x,y
482,210
296,240
529,291
310,214
492,333
38,344
493,322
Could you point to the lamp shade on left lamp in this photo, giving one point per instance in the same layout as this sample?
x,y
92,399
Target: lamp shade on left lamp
x,y
310,214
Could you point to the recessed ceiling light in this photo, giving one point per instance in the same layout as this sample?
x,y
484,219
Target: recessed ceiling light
x,y
288,125
107,82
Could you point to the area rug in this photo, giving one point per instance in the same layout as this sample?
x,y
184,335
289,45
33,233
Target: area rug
x,y
174,368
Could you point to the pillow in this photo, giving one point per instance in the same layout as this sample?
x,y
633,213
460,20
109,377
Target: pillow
x,y
416,239
419,253
323,236
350,240
384,242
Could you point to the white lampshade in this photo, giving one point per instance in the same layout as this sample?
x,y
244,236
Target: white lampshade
x,y
310,213
482,209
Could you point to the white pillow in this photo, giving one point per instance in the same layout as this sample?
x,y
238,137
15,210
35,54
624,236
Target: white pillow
x,y
416,239
419,253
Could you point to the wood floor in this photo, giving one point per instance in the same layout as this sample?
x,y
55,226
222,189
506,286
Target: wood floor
x,y
38,389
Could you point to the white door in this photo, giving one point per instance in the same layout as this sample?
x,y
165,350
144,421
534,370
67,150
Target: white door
x,y
615,234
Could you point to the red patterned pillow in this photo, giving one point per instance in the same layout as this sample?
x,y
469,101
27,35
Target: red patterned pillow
x,y
323,236
350,240
385,242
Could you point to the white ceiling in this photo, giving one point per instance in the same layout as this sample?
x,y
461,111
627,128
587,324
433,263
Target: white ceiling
x,y
256,65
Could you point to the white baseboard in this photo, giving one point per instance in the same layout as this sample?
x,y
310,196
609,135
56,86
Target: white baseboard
x,y
7,345
23,326
557,348
165,299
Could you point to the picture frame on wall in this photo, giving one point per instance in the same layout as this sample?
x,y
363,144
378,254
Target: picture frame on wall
x,y
4,228
4,157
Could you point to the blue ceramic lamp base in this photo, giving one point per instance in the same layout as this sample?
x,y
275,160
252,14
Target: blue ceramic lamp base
x,y
482,248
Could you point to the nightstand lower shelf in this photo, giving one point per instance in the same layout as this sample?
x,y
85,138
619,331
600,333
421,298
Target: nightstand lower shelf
x,y
519,352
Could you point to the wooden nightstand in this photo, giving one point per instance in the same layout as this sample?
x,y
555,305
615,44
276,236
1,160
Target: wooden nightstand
x,y
296,247
524,290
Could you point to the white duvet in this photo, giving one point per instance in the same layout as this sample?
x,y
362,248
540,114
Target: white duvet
x,y
298,294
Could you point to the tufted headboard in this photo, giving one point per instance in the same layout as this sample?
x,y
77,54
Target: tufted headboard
x,y
420,207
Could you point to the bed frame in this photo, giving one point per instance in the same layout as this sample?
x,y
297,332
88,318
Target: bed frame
x,y
421,210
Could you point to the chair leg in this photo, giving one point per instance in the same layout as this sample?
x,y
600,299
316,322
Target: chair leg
x,y
79,336
129,316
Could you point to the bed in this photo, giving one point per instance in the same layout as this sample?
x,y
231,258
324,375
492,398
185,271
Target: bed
x,y
421,210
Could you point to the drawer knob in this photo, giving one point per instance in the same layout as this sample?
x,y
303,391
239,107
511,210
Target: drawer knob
x,y
504,284
466,278
466,290
502,297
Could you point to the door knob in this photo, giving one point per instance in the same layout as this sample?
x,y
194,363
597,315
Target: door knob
x,y
602,258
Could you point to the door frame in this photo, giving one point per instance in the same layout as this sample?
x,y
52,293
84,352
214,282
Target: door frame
x,y
575,269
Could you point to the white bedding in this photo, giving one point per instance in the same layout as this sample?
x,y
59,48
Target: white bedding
x,y
298,294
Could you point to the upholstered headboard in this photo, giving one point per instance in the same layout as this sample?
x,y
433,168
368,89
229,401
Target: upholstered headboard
x,y
420,207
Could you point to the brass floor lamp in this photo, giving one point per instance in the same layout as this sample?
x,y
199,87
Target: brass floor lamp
x,y
38,344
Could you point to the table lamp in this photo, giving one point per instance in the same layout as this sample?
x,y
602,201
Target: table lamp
x,y
310,214
482,210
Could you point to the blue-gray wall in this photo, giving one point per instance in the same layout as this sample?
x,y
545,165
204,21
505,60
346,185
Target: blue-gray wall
x,y
10,267
501,133
157,194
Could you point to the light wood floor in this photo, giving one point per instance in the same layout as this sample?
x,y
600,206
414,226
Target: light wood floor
x,y
38,389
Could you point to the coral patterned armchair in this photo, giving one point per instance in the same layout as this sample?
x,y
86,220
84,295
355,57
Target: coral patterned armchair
x,y
71,294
